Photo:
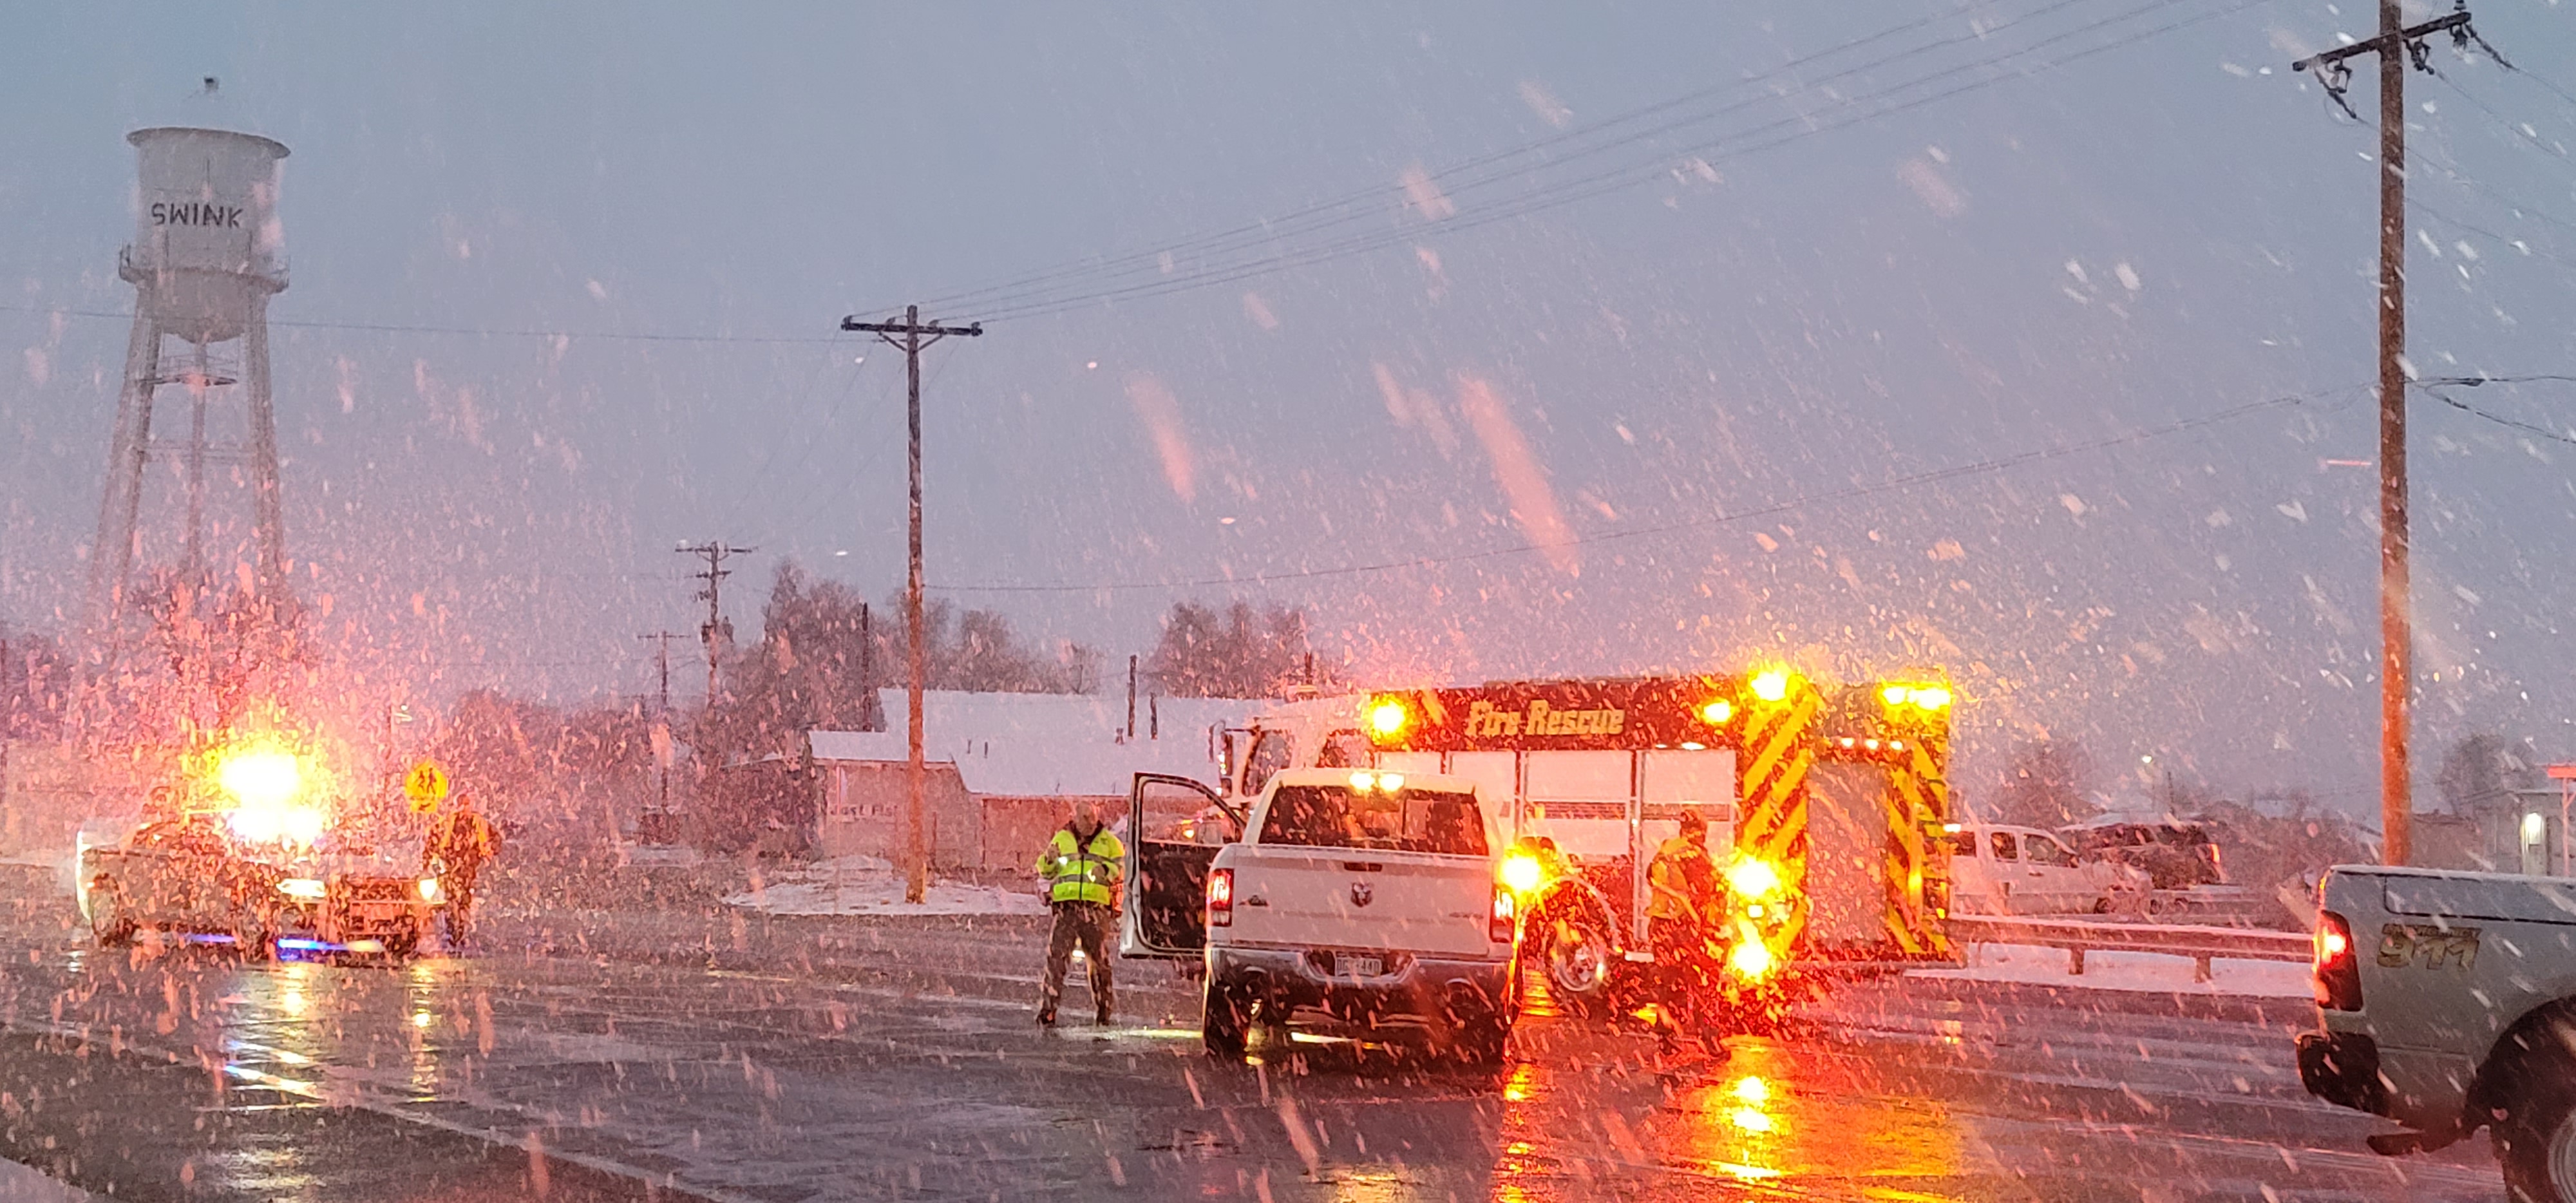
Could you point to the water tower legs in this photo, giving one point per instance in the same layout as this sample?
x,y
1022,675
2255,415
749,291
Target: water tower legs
x,y
267,505
131,451
112,554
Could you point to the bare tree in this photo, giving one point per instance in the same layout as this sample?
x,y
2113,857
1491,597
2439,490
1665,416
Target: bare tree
x,y
2044,785
1242,653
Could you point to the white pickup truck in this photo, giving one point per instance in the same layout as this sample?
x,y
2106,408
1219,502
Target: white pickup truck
x,y
2447,1002
1359,897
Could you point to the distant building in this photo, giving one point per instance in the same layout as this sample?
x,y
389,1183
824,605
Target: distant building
x,y
1004,769
2511,831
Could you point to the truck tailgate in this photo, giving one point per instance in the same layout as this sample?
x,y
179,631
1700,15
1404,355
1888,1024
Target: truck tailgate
x,y
1354,898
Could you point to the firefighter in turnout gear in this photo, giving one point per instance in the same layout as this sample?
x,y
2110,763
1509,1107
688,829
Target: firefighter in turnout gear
x,y
1681,918
1083,865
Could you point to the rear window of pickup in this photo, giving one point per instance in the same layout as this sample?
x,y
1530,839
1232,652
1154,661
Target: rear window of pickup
x,y
1332,816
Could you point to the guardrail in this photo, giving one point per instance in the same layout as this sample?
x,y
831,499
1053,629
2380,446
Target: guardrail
x,y
2077,937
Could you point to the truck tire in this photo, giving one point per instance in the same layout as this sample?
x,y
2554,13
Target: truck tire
x,y
2536,1141
1224,1019
1575,955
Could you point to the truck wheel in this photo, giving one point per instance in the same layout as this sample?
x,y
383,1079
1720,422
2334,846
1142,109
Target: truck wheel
x,y
1222,1022
2536,1142
1575,956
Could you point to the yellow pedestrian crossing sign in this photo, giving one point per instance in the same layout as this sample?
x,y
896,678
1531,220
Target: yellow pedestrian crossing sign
x,y
425,785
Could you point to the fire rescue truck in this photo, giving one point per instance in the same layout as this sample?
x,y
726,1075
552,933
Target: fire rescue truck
x,y
248,850
1826,806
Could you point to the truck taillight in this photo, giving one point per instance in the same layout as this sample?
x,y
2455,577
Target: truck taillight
x,y
1220,898
2338,977
1499,929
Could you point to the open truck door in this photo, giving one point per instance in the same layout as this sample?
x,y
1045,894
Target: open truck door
x,y
1175,827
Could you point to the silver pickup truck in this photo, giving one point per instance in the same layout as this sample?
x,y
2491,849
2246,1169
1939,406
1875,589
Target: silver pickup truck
x,y
1354,897
2447,1002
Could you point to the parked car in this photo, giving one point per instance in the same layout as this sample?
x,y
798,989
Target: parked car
x,y
2177,853
2000,869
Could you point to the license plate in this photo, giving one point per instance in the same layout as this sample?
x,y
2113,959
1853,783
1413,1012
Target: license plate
x,y
1351,966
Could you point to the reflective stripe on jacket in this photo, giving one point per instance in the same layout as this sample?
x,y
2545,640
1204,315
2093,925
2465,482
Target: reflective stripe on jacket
x,y
1079,871
1683,879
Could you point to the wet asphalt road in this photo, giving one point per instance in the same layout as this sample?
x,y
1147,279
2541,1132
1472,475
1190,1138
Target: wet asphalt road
x,y
828,1059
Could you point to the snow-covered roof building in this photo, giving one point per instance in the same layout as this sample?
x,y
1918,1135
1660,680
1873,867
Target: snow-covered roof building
x,y
1028,745
1005,768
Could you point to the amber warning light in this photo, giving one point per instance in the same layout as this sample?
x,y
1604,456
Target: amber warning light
x,y
1387,718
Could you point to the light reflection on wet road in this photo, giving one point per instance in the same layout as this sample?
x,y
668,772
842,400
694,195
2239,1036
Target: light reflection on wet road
x,y
786,1085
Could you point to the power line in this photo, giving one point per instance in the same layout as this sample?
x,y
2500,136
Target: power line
x,y
2457,175
2543,81
760,474
2511,125
1768,509
1796,127
2518,244
474,331
2475,381
2433,389
835,487
1273,228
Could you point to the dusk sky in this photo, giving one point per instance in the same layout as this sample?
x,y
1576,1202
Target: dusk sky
x,y
2014,340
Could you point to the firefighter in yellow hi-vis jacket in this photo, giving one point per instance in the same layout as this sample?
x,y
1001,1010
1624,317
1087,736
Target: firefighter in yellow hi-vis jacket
x,y
1082,864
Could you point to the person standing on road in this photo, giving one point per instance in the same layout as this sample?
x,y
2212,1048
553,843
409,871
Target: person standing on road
x,y
1082,865
459,842
1678,923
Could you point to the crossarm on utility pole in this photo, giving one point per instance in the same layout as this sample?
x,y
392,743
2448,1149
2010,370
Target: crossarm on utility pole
x,y
2384,42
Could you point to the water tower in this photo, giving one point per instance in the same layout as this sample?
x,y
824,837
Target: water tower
x,y
206,256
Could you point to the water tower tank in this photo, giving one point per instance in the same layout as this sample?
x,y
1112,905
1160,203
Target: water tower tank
x,y
207,245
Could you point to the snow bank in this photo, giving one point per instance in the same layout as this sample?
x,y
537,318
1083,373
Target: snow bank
x,y
865,885
2160,973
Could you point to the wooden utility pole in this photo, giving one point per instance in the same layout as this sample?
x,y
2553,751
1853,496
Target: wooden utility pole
x,y
662,720
717,631
2395,44
916,862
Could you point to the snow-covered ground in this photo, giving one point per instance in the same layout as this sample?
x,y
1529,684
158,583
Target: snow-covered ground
x,y
2158,972
865,885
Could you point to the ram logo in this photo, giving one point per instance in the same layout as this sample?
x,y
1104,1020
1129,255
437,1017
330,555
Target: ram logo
x,y
1362,894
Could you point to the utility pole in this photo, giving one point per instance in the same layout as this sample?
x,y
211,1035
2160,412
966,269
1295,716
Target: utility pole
x,y
916,865
717,631
662,719
2396,603
871,718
